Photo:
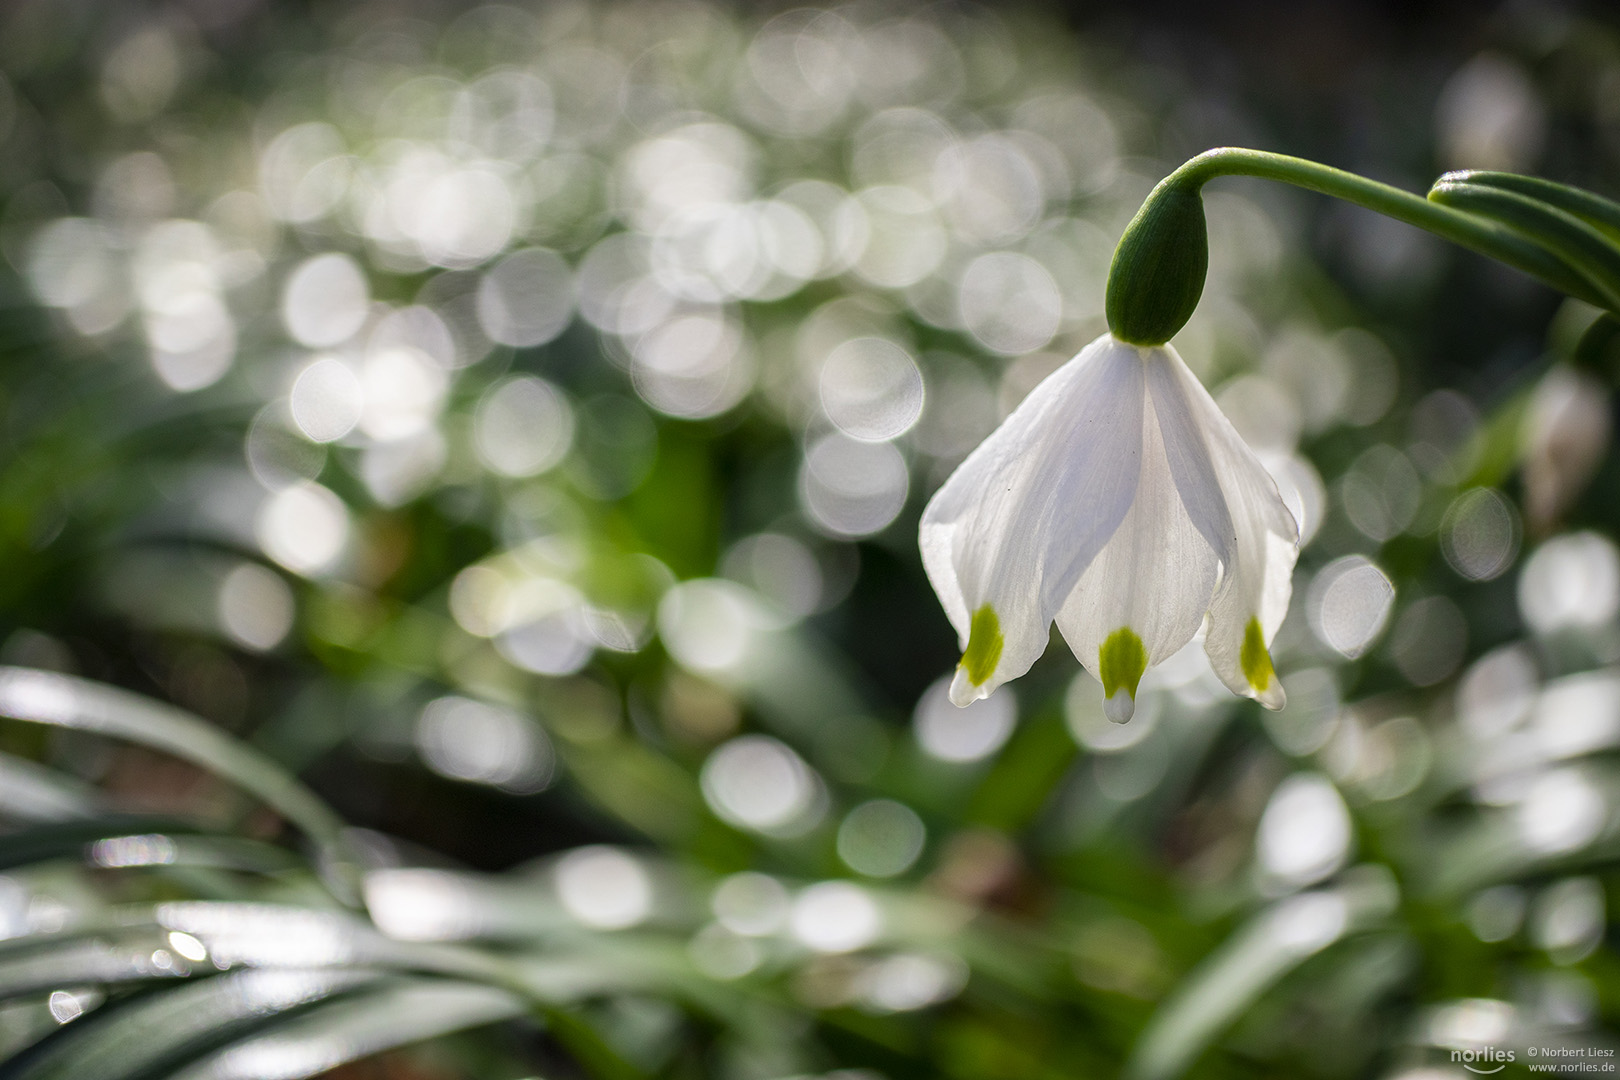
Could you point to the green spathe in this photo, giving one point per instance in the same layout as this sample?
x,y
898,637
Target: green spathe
x,y
1158,270
984,646
1121,662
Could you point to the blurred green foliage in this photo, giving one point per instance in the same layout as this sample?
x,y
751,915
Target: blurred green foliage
x,y
511,423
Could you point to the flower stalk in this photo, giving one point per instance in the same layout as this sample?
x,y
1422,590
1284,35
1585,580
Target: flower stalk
x,y
1563,236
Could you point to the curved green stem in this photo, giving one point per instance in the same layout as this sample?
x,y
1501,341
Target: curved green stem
x,y
1460,227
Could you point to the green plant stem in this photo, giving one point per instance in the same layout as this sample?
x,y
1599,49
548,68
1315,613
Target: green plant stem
x,y
1460,227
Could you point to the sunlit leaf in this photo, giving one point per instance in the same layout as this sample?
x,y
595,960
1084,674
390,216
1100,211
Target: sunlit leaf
x,y
152,1034
345,1030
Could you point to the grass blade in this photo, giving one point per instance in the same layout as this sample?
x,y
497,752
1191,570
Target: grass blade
x,y
62,700
31,792
150,1035
357,1027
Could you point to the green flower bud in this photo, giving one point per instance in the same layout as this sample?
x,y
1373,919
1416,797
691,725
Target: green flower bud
x,y
1158,270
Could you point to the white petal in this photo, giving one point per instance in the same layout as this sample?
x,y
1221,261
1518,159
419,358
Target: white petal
x,y
1154,577
1024,516
1258,577
1120,706
1188,454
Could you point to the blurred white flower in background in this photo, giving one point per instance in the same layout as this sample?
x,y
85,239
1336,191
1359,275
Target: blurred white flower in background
x,y
1490,117
1563,439
1571,582
1305,831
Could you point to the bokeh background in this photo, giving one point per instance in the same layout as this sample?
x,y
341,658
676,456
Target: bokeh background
x,y
511,422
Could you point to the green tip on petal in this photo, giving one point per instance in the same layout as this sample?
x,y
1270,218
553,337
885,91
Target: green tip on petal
x,y
984,646
1121,662
1255,659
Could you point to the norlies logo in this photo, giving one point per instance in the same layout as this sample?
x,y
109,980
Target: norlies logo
x,y
1485,1061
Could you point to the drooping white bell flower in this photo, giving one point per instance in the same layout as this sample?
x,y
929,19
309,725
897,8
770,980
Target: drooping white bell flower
x,y
1118,501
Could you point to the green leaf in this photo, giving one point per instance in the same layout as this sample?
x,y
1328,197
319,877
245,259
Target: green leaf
x,y
1025,774
74,839
1273,943
1587,205
31,792
351,1028
37,965
149,1035
62,700
286,935
1594,254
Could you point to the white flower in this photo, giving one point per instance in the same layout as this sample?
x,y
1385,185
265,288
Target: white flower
x,y
1117,500
1563,439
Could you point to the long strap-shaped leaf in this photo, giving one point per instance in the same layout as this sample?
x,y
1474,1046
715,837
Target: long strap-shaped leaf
x,y
353,1028
152,1034
118,947
1273,943
32,792
119,841
1584,204
1571,238
49,698
81,961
